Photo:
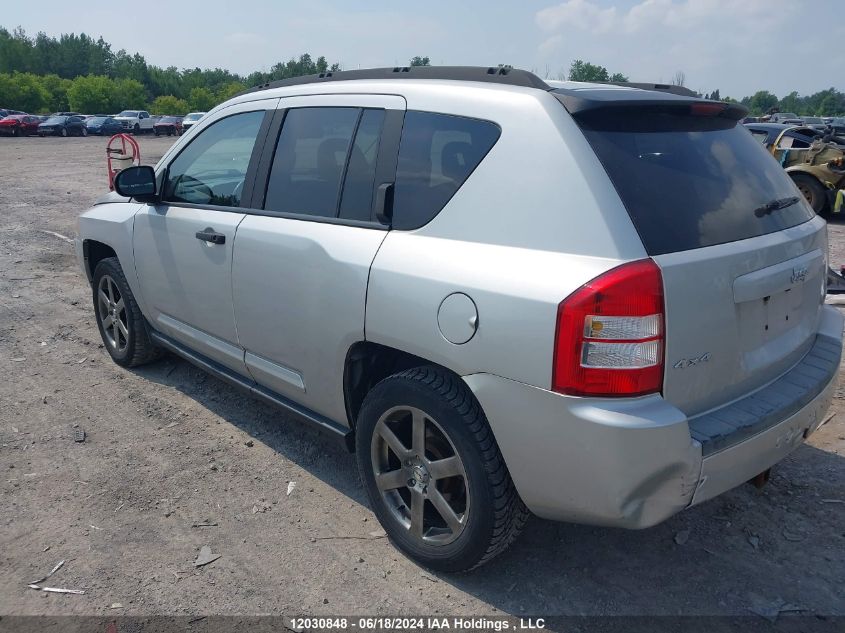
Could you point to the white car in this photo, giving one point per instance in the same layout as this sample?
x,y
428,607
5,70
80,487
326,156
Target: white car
x,y
190,119
135,121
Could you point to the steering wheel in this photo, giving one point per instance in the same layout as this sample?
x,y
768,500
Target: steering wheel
x,y
190,187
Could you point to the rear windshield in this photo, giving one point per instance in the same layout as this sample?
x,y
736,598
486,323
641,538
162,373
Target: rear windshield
x,y
689,182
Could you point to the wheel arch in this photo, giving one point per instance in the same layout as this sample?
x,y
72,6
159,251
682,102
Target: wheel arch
x,y
93,252
368,363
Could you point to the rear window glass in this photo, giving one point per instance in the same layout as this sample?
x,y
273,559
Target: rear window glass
x,y
437,154
696,182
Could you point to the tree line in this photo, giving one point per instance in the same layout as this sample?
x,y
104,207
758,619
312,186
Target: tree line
x,y
78,73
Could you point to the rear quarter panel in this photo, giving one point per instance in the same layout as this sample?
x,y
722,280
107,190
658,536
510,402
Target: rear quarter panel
x,y
536,220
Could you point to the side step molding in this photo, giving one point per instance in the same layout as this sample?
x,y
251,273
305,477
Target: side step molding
x,y
225,374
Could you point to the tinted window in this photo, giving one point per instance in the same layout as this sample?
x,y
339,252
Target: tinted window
x,y
437,154
696,182
309,161
212,168
357,200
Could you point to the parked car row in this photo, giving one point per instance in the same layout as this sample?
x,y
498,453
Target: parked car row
x,y
15,123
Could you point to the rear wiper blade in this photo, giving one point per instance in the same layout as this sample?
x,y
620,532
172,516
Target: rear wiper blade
x,y
776,205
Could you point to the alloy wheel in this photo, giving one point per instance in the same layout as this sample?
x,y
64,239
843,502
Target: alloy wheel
x,y
421,477
112,312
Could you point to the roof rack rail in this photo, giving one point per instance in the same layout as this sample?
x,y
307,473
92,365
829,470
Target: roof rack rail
x,y
497,75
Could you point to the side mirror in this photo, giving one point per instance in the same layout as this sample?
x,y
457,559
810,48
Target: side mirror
x,y
138,183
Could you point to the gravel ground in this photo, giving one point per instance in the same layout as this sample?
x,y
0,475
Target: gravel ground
x,y
174,459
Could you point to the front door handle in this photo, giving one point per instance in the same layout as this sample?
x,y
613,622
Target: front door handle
x,y
211,236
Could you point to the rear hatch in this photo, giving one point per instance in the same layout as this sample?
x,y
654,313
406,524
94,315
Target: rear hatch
x,y
743,256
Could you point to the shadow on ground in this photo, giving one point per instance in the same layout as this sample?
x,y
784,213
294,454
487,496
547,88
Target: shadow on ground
x,y
741,538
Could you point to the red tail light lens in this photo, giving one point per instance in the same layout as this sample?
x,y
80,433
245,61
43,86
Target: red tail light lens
x,y
610,334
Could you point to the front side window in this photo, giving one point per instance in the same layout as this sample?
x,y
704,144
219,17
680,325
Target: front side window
x,y
211,170
437,154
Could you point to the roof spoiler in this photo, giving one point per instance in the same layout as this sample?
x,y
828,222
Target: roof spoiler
x,y
671,89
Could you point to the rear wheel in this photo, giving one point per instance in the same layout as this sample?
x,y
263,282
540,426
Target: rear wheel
x,y
812,190
119,319
433,471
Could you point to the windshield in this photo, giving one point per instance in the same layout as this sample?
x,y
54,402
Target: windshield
x,y
196,116
168,119
812,119
96,120
56,119
132,114
689,182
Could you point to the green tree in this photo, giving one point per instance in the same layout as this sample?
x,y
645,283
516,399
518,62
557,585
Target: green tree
x,y
580,70
227,91
56,88
168,104
416,60
619,78
91,94
23,91
761,102
129,94
201,99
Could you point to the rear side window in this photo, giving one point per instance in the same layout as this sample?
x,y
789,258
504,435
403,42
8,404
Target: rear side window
x,y
690,182
437,154
310,157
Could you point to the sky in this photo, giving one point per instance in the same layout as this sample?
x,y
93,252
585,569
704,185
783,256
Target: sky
x,y
738,46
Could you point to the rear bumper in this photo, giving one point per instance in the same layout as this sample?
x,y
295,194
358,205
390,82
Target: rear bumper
x,y
635,462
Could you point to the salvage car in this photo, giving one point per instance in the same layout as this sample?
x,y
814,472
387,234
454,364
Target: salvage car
x,y
191,119
812,158
169,125
351,247
63,126
19,125
103,125
135,121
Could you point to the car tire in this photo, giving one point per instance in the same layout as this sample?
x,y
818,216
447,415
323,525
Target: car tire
x,y
482,514
136,130
64,132
124,330
155,132
16,132
812,190
84,131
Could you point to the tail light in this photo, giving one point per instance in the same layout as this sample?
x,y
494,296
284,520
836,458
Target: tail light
x,y
610,334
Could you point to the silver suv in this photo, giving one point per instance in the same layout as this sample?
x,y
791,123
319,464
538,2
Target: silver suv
x,y
595,303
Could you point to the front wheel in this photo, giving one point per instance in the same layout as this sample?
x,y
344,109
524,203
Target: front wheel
x,y
84,131
136,130
433,472
812,190
119,319
64,131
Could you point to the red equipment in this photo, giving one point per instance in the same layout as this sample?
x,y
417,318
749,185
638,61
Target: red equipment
x,y
122,151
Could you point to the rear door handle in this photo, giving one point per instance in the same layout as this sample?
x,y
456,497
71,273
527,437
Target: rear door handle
x,y
211,236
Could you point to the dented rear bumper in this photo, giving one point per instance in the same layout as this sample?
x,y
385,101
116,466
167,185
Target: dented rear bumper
x,y
635,462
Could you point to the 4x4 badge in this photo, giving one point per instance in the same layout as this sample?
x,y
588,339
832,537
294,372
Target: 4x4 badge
x,y
691,362
799,275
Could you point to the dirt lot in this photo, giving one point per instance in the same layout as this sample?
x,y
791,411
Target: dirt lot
x,y
168,448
